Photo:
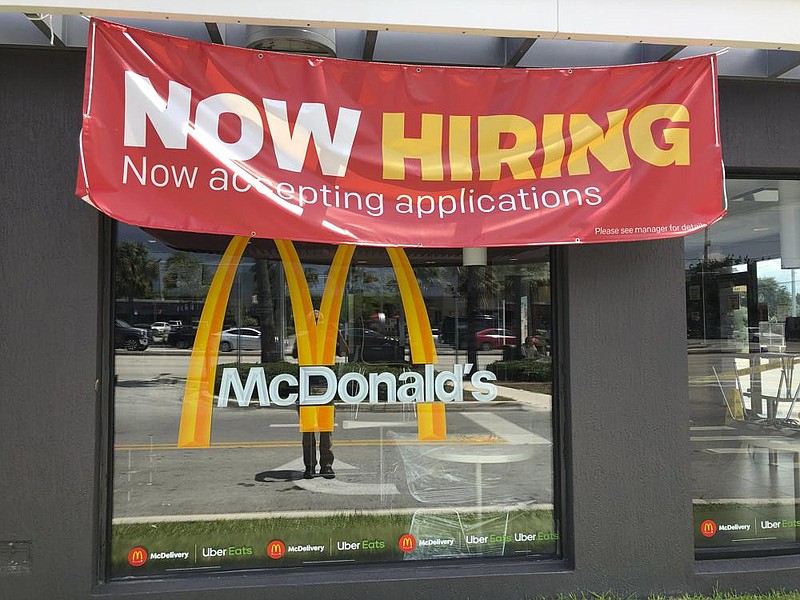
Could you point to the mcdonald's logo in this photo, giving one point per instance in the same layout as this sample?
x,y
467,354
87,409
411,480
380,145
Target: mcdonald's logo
x,y
316,330
276,549
407,542
708,528
137,556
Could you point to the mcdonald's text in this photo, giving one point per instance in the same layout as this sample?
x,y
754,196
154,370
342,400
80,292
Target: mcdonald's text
x,y
353,387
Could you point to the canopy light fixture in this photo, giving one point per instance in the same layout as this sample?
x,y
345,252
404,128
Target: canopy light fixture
x,y
300,40
474,257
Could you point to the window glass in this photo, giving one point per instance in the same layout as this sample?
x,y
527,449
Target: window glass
x,y
290,404
743,333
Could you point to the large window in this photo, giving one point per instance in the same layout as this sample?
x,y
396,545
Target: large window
x,y
288,404
743,332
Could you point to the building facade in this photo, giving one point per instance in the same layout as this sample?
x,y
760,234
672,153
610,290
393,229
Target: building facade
x,y
661,397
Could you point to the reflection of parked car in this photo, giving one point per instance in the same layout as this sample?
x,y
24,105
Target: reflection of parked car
x,y
494,339
160,328
240,338
146,327
452,326
366,345
182,338
128,337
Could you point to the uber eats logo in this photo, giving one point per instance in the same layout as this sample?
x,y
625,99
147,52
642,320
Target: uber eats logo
x,y
230,551
317,332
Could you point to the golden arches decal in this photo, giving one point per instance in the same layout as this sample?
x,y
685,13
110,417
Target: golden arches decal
x,y
423,350
198,398
317,332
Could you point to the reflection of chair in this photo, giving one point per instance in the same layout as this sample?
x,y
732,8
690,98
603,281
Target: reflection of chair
x,y
734,396
433,532
737,380
454,534
770,380
453,474
430,480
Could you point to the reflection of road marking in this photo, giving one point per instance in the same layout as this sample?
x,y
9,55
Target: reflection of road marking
x,y
737,438
513,434
291,425
364,424
336,486
703,380
744,501
297,465
294,444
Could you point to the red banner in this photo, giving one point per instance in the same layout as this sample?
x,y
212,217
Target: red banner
x,y
199,137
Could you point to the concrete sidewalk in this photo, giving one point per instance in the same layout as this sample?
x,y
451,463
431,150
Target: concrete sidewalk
x,y
535,400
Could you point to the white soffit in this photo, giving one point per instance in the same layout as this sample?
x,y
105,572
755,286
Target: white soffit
x,y
754,39
768,24
534,17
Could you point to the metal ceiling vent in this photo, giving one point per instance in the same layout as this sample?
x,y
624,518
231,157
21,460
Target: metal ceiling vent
x,y
302,40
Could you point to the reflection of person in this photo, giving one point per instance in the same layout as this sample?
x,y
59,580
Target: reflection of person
x,y
325,438
325,454
529,349
342,349
325,444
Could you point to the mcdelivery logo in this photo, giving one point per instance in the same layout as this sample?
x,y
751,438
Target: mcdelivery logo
x,y
407,542
276,549
708,528
137,556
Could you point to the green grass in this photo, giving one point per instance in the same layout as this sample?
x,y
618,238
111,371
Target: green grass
x,y
718,595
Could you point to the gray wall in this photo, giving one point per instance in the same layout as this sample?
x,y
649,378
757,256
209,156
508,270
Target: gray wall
x,y
628,519
760,122
48,329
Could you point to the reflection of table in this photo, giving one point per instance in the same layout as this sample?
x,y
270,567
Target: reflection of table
x,y
786,389
482,455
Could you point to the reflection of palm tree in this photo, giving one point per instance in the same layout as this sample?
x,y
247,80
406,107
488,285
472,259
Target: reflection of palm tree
x,y
264,273
481,286
134,272
184,275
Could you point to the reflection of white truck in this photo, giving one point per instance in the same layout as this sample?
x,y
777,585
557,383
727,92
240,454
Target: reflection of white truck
x,y
160,328
175,325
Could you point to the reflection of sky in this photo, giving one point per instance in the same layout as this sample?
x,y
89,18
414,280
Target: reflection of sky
x,y
243,288
751,230
772,268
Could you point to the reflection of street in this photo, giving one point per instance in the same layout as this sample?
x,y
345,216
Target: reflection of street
x,y
254,463
734,457
172,357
